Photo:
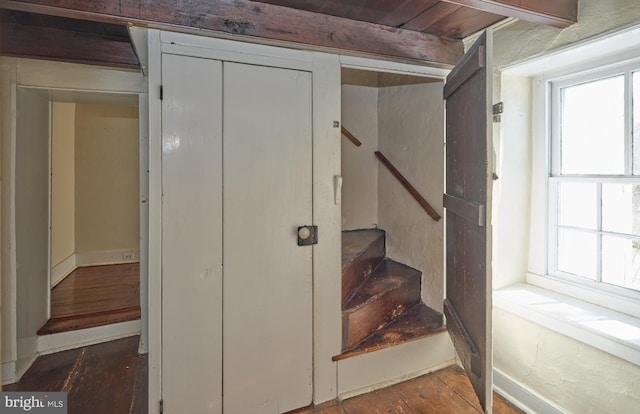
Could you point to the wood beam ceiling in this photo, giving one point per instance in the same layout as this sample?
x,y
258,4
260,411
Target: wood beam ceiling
x,y
558,13
58,38
251,20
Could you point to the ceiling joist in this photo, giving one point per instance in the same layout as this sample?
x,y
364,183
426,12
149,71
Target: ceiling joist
x,y
558,13
251,20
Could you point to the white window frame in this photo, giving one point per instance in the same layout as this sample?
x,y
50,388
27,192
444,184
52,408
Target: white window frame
x,y
546,168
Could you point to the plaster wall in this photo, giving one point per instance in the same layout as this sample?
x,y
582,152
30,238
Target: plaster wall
x,y
106,178
62,181
359,164
575,376
411,128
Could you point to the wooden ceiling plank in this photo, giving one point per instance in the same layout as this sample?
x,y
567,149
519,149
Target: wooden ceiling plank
x,y
558,13
249,20
430,17
464,22
65,45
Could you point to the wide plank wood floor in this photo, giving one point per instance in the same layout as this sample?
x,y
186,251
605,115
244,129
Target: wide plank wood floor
x,y
111,378
93,296
108,378
442,392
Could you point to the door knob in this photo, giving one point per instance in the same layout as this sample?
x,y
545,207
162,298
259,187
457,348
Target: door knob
x,y
307,235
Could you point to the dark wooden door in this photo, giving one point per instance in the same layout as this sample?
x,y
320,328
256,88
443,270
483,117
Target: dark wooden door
x,y
468,216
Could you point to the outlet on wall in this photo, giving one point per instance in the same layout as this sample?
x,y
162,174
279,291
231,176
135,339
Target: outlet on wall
x,y
129,256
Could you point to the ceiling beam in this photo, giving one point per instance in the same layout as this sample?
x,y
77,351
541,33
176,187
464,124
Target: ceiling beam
x,y
558,13
254,21
65,45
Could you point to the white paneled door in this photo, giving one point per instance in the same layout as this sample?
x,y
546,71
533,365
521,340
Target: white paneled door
x,y
191,235
237,288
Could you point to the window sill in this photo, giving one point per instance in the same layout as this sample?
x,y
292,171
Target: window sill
x,y
612,332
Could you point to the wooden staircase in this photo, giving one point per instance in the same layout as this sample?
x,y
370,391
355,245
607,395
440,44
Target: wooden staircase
x,y
381,303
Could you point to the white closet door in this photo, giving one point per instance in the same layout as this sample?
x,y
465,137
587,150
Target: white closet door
x,y
267,276
191,235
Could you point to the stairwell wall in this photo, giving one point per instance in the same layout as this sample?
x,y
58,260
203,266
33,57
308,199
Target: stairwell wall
x,y
359,164
411,136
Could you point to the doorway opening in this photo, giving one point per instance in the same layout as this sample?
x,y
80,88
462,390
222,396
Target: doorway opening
x,y
94,213
393,267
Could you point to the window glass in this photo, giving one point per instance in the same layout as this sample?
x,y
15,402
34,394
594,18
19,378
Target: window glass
x,y
577,253
578,205
621,262
621,208
592,127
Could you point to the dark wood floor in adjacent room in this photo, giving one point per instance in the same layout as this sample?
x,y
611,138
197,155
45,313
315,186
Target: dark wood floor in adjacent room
x,y
108,378
94,296
442,392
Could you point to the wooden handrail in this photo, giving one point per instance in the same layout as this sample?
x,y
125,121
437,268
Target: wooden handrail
x,y
407,185
351,137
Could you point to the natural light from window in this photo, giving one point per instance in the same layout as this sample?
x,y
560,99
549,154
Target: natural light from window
x,y
595,180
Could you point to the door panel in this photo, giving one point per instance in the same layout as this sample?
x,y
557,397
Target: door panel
x,y
267,276
191,235
468,216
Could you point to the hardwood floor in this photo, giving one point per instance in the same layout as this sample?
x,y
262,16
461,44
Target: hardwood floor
x,y
442,392
93,296
111,378
108,378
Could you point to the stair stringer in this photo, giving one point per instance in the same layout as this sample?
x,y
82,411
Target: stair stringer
x,y
370,371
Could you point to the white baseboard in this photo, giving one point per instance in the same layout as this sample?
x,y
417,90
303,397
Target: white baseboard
x,y
368,372
71,263
522,396
62,269
8,372
107,257
48,344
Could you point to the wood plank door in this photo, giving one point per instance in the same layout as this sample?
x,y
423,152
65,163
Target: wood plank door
x,y
267,276
469,152
191,235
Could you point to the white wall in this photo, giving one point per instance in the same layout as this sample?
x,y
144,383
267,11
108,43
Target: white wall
x,y
63,187
31,221
411,128
107,178
570,374
359,164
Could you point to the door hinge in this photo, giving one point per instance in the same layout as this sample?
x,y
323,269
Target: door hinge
x,y
161,406
498,109
161,92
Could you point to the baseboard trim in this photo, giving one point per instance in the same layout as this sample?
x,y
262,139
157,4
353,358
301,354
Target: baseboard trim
x,y
522,396
107,257
48,344
8,372
63,269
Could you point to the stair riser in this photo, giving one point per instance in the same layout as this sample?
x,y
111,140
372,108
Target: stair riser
x,y
354,274
359,323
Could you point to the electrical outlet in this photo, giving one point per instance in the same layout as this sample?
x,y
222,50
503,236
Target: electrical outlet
x,y
129,256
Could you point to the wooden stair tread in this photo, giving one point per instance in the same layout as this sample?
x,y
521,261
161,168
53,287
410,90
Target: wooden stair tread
x,y
89,320
356,242
389,275
419,322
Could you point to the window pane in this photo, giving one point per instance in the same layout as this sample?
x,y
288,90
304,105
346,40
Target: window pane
x,y
577,205
621,262
636,122
577,253
621,208
592,131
